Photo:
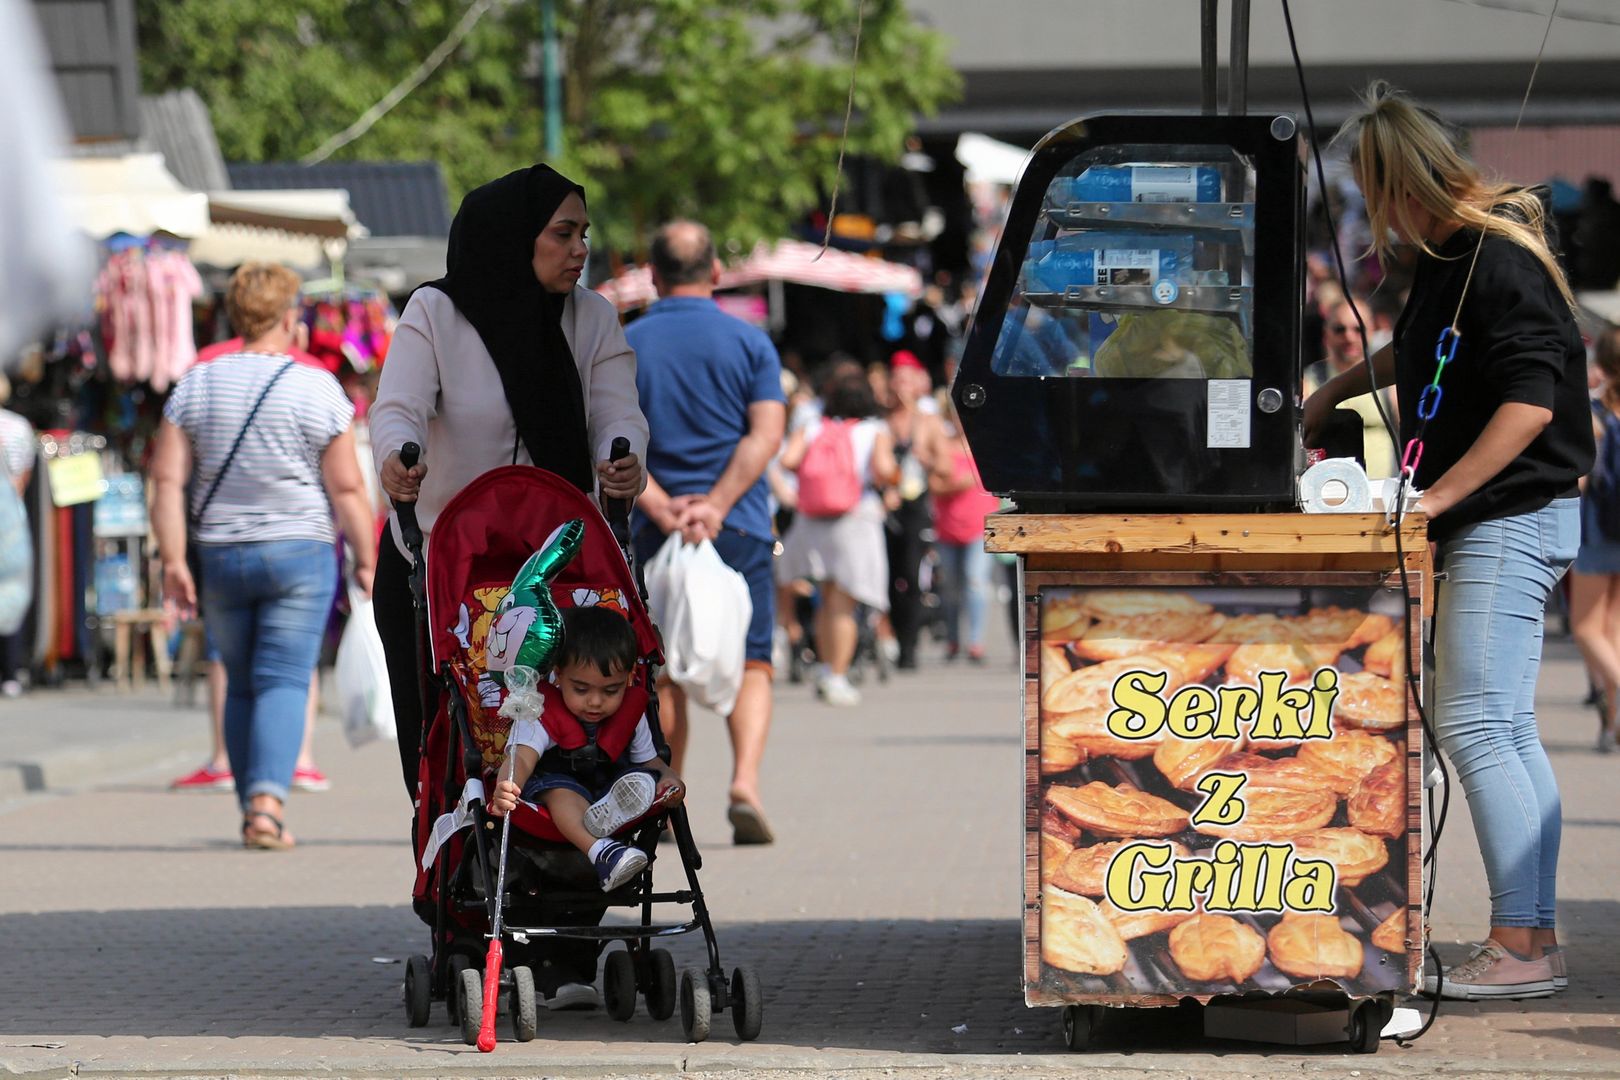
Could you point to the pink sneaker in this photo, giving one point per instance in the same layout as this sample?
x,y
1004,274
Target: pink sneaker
x,y
204,779
1493,972
310,779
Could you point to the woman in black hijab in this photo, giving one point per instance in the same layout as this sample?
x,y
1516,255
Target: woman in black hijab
x,y
504,360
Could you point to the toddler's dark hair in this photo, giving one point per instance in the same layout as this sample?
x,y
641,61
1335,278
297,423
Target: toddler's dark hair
x,y
600,636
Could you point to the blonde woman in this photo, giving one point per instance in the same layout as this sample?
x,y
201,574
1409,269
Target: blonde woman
x,y
1594,581
1510,439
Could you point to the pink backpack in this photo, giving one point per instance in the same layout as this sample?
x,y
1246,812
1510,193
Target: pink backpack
x,y
829,483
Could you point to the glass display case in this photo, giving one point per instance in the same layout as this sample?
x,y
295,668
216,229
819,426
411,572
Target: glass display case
x,y
1137,343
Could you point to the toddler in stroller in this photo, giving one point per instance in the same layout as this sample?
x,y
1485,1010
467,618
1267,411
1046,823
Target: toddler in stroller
x,y
519,884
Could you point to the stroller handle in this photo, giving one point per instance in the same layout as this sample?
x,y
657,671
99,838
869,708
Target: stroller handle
x,y
409,530
617,511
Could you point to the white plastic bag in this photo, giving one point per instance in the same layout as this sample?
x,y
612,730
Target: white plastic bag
x,y
362,678
703,608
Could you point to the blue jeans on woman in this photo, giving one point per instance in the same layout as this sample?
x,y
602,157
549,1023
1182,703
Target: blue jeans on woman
x,y
966,569
266,604
1489,614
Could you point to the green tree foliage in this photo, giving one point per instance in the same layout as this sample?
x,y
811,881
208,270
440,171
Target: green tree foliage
x,y
728,111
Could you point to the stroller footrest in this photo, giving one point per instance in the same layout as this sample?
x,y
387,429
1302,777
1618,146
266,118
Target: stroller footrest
x,y
602,933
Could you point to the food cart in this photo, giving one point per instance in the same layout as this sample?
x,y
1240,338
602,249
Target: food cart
x,y
1223,750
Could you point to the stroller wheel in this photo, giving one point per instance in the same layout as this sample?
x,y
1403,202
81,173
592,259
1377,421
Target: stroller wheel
x,y
619,984
747,1010
696,1011
470,988
663,989
418,991
525,1013
452,994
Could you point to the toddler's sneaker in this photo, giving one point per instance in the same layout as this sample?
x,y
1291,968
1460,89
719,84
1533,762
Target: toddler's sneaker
x,y
573,996
629,798
1493,972
837,692
310,779
204,779
618,863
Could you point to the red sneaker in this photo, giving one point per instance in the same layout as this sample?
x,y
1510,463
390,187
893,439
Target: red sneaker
x,y
204,779
310,779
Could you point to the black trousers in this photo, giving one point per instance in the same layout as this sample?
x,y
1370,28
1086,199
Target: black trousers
x,y
903,535
396,624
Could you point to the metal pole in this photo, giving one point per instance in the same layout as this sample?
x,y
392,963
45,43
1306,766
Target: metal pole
x,y
1237,51
1208,15
551,78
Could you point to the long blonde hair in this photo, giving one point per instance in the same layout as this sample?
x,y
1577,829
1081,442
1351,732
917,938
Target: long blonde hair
x,y
1399,149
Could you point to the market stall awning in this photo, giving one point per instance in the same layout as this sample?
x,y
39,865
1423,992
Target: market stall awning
x,y
131,194
791,261
303,229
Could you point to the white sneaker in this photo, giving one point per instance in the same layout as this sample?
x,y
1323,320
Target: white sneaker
x,y
574,996
837,692
628,799
11,688
890,648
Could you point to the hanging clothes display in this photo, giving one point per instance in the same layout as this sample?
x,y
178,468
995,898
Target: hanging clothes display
x,y
348,324
65,542
145,294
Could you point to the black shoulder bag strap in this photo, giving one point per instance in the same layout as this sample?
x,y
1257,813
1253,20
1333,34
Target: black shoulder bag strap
x,y
213,489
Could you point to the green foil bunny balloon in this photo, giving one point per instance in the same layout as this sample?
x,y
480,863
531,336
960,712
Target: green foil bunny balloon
x,y
528,627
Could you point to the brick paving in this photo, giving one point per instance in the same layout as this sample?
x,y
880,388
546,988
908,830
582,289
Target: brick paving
x,y
140,938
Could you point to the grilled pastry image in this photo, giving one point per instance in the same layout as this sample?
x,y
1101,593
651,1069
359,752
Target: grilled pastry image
x,y
1084,870
1217,948
1063,617
1348,757
1314,947
1345,628
1371,702
1277,815
1127,603
1059,755
1054,852
1272,774
1076,936
1190,664
1075,708
1377,805
1110,639
1135,924
1390,935
1386,656
1355,855
1183,761
1118,811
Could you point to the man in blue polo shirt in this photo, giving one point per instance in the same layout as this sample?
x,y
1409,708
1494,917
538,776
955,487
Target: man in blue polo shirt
x,y
711,389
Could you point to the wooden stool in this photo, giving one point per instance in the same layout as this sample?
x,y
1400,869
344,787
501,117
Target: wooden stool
x,y
130,671
188,664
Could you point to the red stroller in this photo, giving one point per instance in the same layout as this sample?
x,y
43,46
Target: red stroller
x,y
541,894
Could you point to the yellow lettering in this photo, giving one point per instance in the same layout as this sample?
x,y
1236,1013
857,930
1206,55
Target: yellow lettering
x,y
1141,712
1237,703
1222,807
1311,887
1192,713
1190,876
1325,691
1122,871
1271,865
1279,714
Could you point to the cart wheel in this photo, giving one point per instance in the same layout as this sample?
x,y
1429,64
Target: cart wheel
x,y
1364,1029
662,993
525,1014
452,993
747,1010
695,1006
619,984
418,991
470,989
1079,1024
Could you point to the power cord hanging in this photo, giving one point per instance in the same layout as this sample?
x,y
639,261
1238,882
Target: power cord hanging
x,y
1446,350
843,139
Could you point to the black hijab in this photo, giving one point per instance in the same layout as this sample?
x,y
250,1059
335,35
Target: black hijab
x,y
491,281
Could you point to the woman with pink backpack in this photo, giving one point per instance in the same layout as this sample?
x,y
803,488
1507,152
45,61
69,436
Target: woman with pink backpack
x,y
843,459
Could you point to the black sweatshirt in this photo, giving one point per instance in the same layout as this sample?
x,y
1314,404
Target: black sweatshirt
x,y
1518,343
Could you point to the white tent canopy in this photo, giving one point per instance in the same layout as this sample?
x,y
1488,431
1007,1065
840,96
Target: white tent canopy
x,y
990,161
131,194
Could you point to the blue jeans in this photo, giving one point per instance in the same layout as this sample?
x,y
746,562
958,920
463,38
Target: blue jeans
x,y
1489,615
967,587
267,604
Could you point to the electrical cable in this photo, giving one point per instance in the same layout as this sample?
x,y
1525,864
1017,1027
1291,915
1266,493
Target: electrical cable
x,y
1430,858
843,140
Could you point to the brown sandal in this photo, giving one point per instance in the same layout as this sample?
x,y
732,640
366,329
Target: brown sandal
x,y
274,839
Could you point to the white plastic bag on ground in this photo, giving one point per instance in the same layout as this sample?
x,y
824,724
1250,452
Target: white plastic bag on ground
x,y
362,678
703,608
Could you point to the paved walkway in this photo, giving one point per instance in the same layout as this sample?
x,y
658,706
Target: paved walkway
x,y
140,938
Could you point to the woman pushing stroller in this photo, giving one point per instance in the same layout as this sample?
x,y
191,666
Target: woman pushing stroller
x,y
589,756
